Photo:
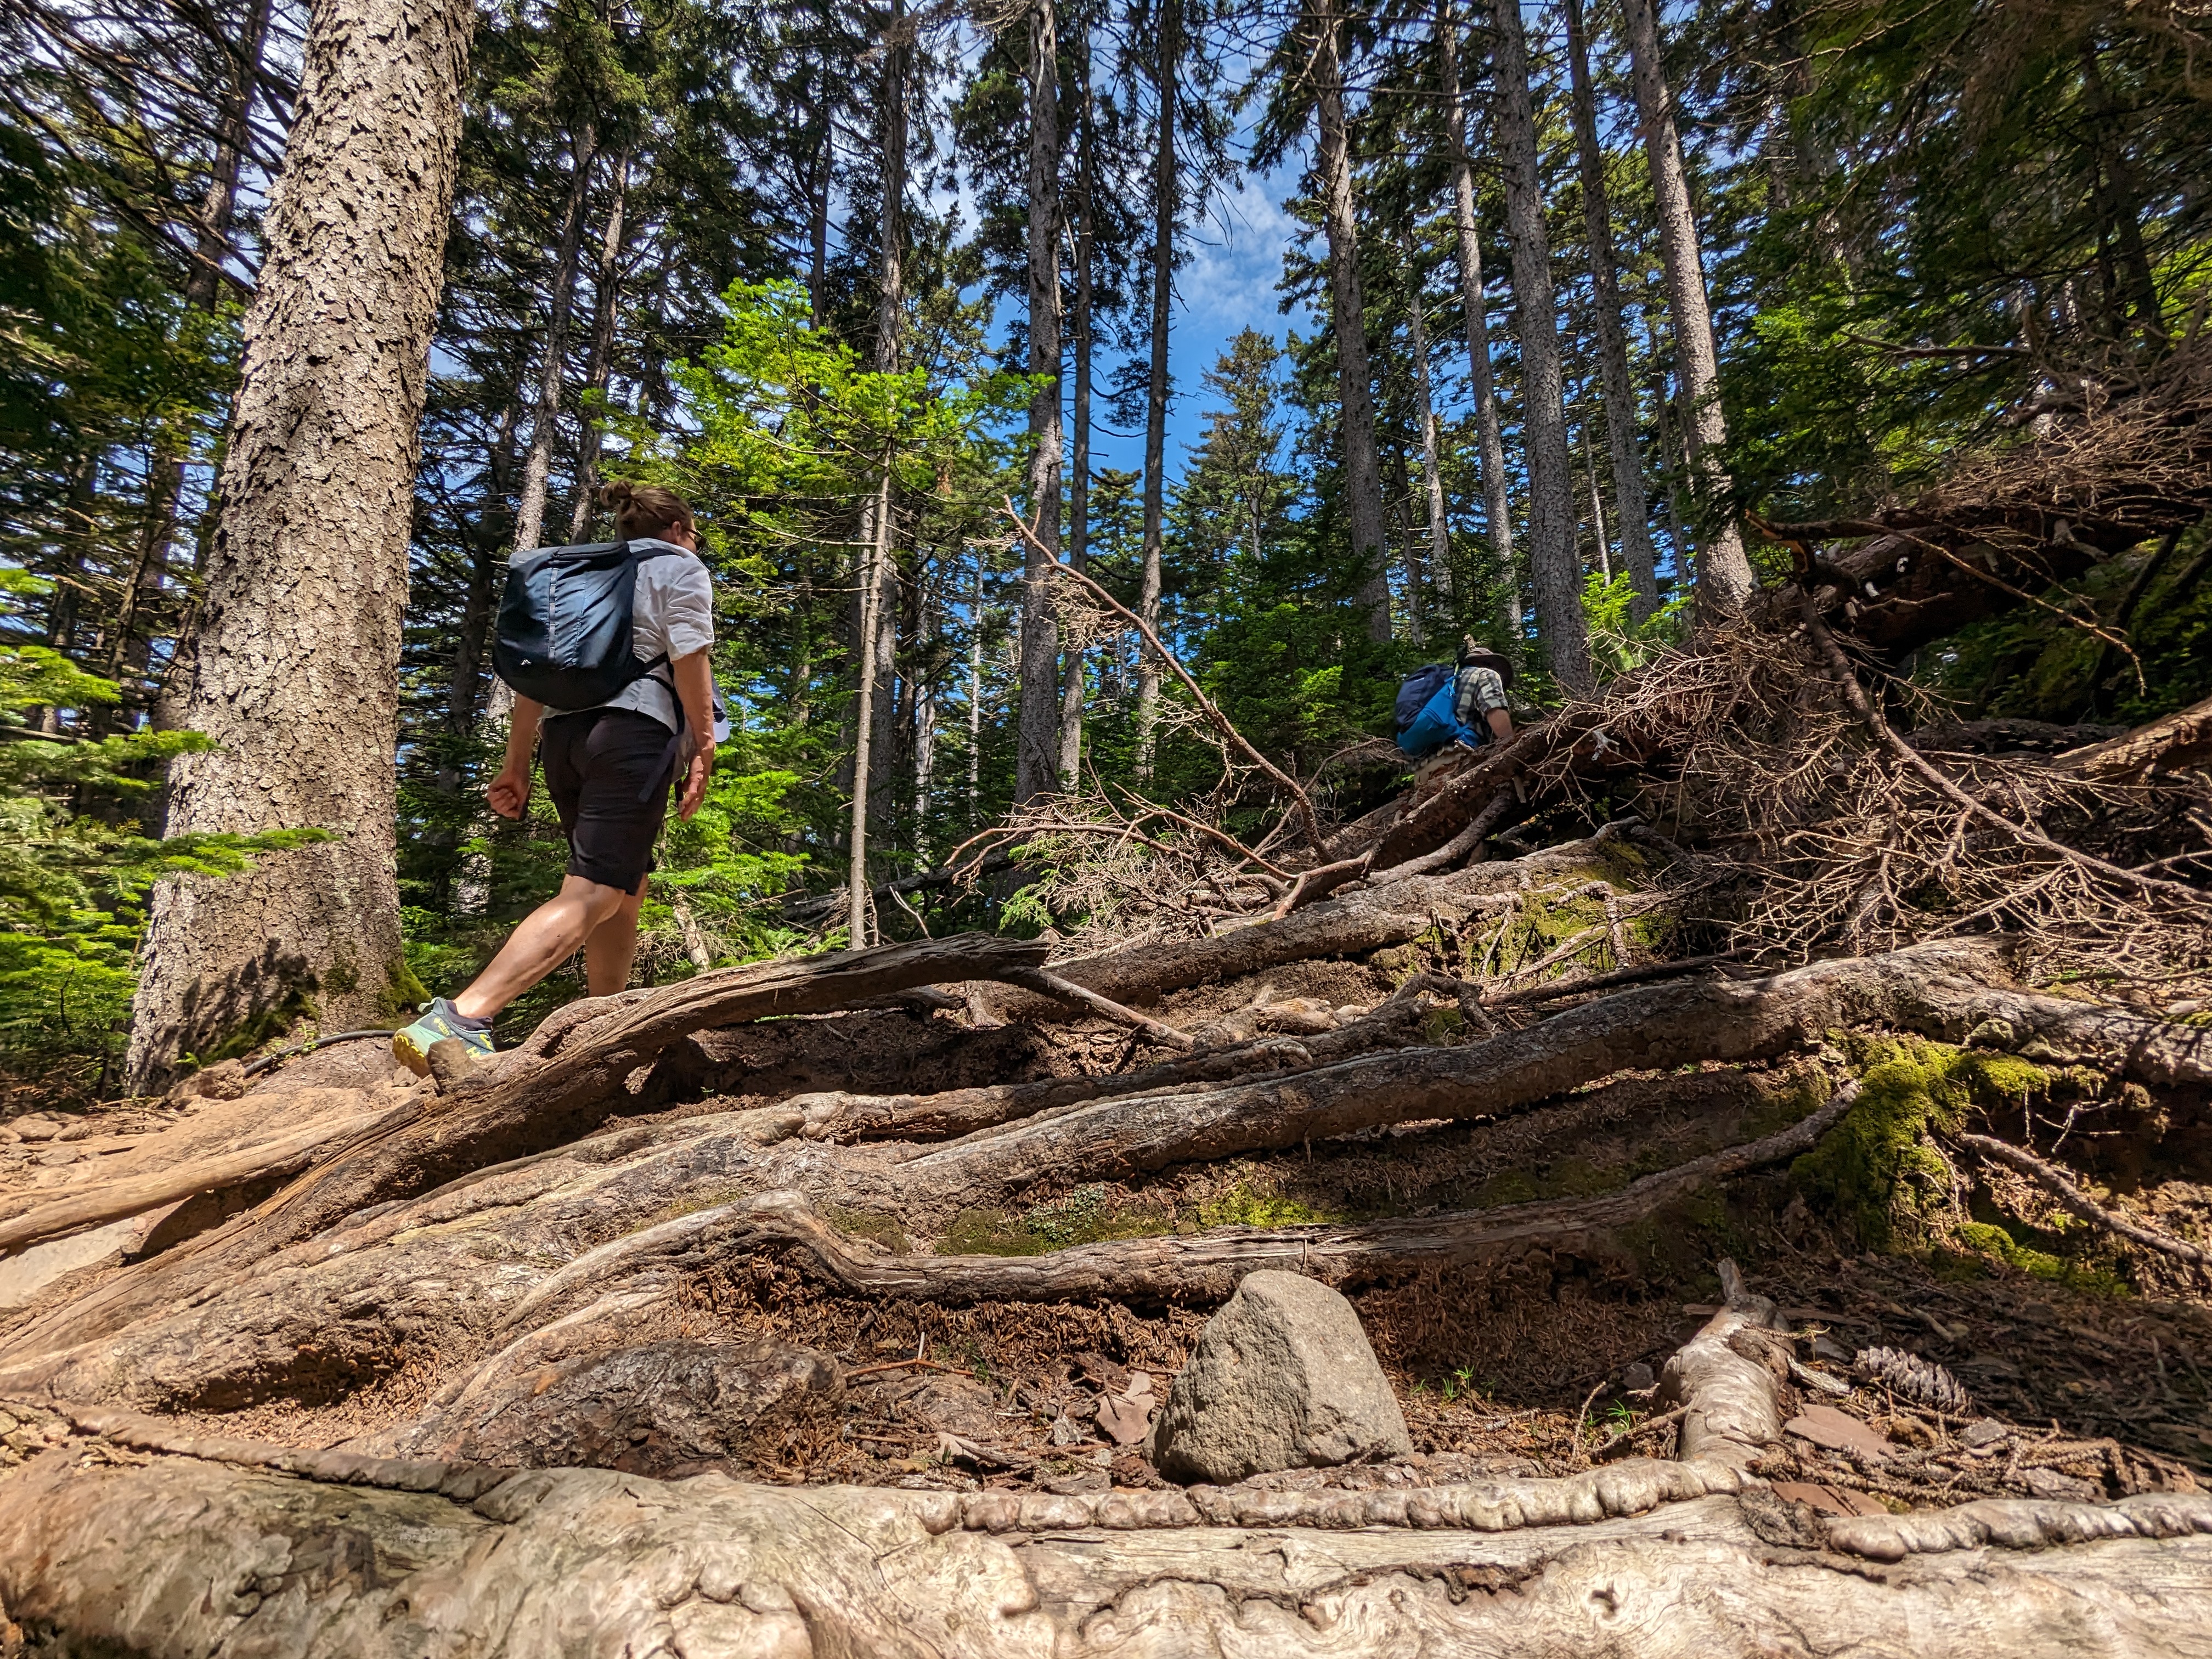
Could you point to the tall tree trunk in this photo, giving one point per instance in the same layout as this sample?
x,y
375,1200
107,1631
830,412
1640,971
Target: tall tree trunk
x,y
1596,503
297,682
1497,501
1363,472
606,283
975,617
1432,469
1036,757
821,178
1552,513
1724,579
1663,431
875,717
463,700
1079,482
1167,70
923,731
530,514
889,358
1631,501
1398,512
871,597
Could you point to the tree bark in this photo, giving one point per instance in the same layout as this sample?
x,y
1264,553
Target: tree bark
x,y
1631,501
1551,513
1433,468
605,288
1724,578
1497,500
1036,759
298,659
1166,84
1355,380
1078,486
536,467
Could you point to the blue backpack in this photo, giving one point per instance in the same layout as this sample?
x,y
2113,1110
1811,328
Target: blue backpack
x,y
565,629
1417,688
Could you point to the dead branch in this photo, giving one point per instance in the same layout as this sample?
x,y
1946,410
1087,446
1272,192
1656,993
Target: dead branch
x,y
1214,717
1051,985
2061,1187
1855,695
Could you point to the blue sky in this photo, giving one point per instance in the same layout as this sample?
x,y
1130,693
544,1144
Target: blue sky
x,y
1229,285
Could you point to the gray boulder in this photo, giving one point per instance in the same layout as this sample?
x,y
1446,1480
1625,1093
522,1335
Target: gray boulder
x,y
1282,1378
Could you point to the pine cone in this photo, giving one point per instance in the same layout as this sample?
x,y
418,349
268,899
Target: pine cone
x,y
1909,1376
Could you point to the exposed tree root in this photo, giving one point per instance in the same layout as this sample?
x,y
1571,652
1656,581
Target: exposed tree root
x,y
1946,989
158,1180
164,1545
852,1117
560,1085
1203,1270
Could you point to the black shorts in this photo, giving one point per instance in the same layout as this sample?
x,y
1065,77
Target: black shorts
x,y
608,771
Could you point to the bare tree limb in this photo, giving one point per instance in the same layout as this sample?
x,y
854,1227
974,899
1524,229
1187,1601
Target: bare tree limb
x,y
1307,819
2062,1187
1860,705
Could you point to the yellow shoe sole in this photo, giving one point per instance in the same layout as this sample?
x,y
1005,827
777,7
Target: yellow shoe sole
x,y
404,1051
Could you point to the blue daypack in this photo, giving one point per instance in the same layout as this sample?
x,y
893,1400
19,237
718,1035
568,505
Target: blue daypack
x,y
1436,726
1416,689
565,629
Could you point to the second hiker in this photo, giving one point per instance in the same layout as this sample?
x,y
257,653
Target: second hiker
x,y
1463,707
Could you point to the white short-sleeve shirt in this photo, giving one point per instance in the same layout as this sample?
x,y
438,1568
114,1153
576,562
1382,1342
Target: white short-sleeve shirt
x,y
672,612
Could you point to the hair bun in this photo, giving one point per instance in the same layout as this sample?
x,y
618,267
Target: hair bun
x,y
615,492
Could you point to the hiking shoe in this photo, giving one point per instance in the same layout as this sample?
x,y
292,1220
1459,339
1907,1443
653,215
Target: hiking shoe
x,y
410,1047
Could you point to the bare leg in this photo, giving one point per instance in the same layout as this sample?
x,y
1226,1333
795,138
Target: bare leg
x,y
548,937
612,947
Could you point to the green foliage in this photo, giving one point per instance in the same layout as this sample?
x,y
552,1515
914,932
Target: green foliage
x,y
1618,645
74,883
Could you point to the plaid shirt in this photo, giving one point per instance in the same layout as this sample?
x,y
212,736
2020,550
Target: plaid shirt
x,y
1477,693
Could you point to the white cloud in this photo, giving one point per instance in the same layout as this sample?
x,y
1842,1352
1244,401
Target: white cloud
x,y
1236,260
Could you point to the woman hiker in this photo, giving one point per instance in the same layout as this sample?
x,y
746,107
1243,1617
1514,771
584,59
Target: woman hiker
x,y
608,768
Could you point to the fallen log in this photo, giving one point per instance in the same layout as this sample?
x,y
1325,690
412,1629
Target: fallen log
x,y
2181,741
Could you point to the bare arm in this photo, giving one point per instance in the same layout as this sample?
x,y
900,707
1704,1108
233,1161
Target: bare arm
x,y
510,791
1501,724
695,688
